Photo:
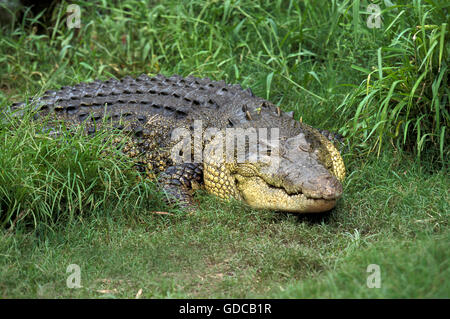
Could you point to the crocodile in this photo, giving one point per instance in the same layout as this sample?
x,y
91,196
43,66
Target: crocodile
x,y
178,131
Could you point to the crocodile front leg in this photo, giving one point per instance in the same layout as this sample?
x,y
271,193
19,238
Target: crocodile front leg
x,y
179,181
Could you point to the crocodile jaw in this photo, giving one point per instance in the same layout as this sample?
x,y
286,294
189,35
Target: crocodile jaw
x,y
258,194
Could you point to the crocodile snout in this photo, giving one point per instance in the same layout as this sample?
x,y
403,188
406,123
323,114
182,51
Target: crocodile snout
x,y
324,186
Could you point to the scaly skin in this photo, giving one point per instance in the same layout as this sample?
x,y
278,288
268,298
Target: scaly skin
x,y
303,174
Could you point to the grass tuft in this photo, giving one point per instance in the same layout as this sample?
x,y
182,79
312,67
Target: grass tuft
x,y
52,176
404,99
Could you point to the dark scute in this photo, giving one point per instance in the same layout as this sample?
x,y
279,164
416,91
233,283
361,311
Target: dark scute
x,y
138,131
71,109
143,77
82,116
129,90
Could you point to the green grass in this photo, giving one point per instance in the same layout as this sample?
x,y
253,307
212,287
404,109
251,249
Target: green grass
x,y
227,250
62,202
49,179
404,99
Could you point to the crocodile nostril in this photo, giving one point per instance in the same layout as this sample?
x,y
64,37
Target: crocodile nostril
x,y
332,187
328,187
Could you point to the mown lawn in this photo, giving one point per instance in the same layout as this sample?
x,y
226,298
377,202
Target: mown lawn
x,y
77,208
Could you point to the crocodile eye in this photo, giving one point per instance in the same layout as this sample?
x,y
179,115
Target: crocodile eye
x,y
305,147
299,142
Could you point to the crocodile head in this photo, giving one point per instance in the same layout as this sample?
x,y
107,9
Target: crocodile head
x,y
298,179
303,174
